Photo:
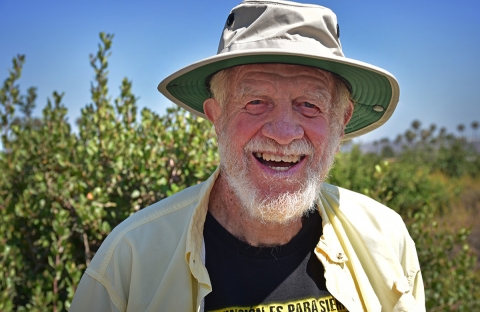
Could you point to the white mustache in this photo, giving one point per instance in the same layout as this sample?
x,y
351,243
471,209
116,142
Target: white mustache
x,y
266,145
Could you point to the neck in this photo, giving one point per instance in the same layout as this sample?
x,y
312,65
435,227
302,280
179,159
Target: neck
x,y
227,209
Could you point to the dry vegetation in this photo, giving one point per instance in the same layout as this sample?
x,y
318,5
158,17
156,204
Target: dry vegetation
x,y
465,212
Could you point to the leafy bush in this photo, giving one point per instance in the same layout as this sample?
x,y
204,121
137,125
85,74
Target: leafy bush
x,y
61,193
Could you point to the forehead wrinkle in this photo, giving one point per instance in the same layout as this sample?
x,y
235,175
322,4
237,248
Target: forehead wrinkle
x,y
248,88
257,79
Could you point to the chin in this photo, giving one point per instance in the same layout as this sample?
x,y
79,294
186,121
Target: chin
x,y
281,206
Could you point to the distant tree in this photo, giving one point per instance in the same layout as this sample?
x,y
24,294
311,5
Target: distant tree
x,y
385,140
416,124
461,128
410,137
387,151
442,135
475,128
425,135
398,139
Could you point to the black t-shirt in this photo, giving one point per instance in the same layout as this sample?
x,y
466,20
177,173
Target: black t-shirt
x,y
281,279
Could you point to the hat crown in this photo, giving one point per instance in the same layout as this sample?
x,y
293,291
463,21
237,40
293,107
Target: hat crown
x,y
285,25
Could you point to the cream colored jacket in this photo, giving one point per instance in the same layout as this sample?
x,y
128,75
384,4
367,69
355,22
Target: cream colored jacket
x,y
154,260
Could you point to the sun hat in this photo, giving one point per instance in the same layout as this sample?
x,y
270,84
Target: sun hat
x,y
275,31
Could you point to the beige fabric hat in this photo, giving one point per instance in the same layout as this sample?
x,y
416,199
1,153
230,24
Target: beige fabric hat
x,y
275,31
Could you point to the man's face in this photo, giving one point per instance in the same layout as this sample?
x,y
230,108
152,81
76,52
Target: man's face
x,y
275,140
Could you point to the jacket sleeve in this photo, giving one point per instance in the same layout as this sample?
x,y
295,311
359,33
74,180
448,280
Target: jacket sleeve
x,y
413,294
92,296
418,291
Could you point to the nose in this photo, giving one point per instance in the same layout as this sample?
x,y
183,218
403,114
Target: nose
x,y
283,128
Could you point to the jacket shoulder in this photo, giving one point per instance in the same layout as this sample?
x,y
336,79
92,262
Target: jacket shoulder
x,y
352,202
169,217
367,219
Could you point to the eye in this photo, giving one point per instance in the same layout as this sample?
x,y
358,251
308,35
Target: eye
x,y
256,107
308,109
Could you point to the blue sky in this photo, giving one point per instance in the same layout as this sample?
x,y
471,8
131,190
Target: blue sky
x,y
432,47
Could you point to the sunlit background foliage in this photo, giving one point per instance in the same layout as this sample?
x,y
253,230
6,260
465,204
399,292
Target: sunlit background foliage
x,y
62,191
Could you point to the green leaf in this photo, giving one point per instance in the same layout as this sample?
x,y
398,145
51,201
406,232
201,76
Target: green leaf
x,y
135,194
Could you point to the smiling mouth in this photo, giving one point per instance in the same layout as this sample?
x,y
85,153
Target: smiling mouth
x,y
277,162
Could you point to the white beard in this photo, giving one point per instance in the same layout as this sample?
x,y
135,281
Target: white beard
x,y
273,206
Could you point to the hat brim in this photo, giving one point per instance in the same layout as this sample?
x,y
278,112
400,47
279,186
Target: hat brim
x,y
374,90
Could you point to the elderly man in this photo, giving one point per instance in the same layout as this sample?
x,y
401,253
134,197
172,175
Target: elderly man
x,y
264,233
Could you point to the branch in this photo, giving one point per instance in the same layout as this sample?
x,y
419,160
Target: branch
x,y
88,253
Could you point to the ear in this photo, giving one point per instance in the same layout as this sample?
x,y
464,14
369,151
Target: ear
x,y
212,110
348,113
346,118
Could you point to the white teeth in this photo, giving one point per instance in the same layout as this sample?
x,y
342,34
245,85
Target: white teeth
x,y
280,168
277,158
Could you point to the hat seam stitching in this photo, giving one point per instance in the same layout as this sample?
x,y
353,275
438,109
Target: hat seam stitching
x,y
285,4
273,38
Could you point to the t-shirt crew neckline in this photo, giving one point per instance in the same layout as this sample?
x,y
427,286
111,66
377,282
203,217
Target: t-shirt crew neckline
x,y
302,237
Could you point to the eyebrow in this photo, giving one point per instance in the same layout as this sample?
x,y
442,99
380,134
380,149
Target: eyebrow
x,y
246,89
320,94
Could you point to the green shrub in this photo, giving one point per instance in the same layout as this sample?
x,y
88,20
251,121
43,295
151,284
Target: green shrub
x,y
447,263
61,192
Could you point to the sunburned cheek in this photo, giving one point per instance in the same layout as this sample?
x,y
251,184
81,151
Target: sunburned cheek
x,y
317,131
246,126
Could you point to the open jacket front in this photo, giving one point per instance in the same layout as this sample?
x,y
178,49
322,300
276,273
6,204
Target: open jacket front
x,y
154,260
